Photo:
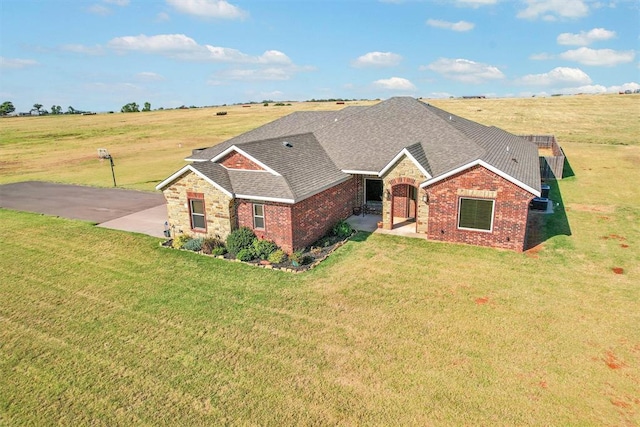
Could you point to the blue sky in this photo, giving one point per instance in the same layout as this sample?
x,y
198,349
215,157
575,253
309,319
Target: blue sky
x,y
101,54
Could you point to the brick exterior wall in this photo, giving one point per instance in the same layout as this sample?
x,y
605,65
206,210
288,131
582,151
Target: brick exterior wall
x,y
277,222
297,226
400,200
510,209
402,174
235,160
314,217
219,208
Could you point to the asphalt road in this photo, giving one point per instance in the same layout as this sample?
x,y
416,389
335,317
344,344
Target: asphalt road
x,y
78,202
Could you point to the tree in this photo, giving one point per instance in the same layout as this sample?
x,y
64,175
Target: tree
x,y
71,110
7,108
37,107
147,106
131,107
56,109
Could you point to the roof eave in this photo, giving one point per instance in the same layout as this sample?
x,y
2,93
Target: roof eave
x,y
486,166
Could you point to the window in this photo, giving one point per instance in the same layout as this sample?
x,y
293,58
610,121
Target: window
x,y
258,216
475,214
196,211
372,190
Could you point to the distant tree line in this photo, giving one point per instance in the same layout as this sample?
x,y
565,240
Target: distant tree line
x,y
7,108
132,107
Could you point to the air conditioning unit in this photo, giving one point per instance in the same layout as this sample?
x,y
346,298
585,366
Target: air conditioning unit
x,y
539,204
545,191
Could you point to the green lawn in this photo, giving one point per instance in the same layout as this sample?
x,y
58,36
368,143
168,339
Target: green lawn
x,y
104,327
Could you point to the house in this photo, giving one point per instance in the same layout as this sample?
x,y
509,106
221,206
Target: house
x,y
292,179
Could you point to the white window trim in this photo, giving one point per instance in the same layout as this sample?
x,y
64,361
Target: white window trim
x,y
253,211
192,214
493,214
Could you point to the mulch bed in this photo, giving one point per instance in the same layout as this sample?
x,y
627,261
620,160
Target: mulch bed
x,y
314,254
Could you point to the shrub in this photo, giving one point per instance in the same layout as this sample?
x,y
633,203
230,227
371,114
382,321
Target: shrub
x,y
263,248
278,256
180,240
194,245
296,257
220,250
241,238
342,229
245,255
211,243
221,113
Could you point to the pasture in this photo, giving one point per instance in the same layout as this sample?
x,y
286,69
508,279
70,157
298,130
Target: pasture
x,y
104,327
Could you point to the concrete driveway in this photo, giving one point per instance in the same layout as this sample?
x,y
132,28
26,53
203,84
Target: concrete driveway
x,y
115,208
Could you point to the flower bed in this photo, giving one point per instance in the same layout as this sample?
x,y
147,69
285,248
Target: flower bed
x,y
246,248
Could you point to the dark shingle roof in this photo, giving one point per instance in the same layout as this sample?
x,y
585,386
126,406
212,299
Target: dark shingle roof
x,y
325,143
295,123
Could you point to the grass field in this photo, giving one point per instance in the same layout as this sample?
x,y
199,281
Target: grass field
x,y
104,327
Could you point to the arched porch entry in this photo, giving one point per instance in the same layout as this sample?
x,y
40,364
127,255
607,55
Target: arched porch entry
x,y
404,203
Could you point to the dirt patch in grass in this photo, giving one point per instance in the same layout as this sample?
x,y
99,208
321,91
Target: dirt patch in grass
x,y
614,237
482,300
618,270
624,245
533,252
612,361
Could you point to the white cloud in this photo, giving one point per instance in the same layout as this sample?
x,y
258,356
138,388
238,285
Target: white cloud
x,y
167,44
476,3
394,83
272,72
464,70
274,57
440,95
377,59
162,17
583,89
16,63
551,10
208,8
585,38
181,47
559,75
149,76
540,56
455,26
82,49
98,9
626,86
598,57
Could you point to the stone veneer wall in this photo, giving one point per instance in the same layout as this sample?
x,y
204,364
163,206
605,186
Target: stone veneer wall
x,y
510,211
219,208
404,172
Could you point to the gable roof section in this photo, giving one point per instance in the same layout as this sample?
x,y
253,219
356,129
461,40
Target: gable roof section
x,y
293,124
303,163
415,153
213,173
511,156
368,139
233,148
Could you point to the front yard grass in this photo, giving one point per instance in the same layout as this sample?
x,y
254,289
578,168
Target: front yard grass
x,y
105,327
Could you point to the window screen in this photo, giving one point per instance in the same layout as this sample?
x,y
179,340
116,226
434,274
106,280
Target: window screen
x,y
197,214
475,214
258,216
